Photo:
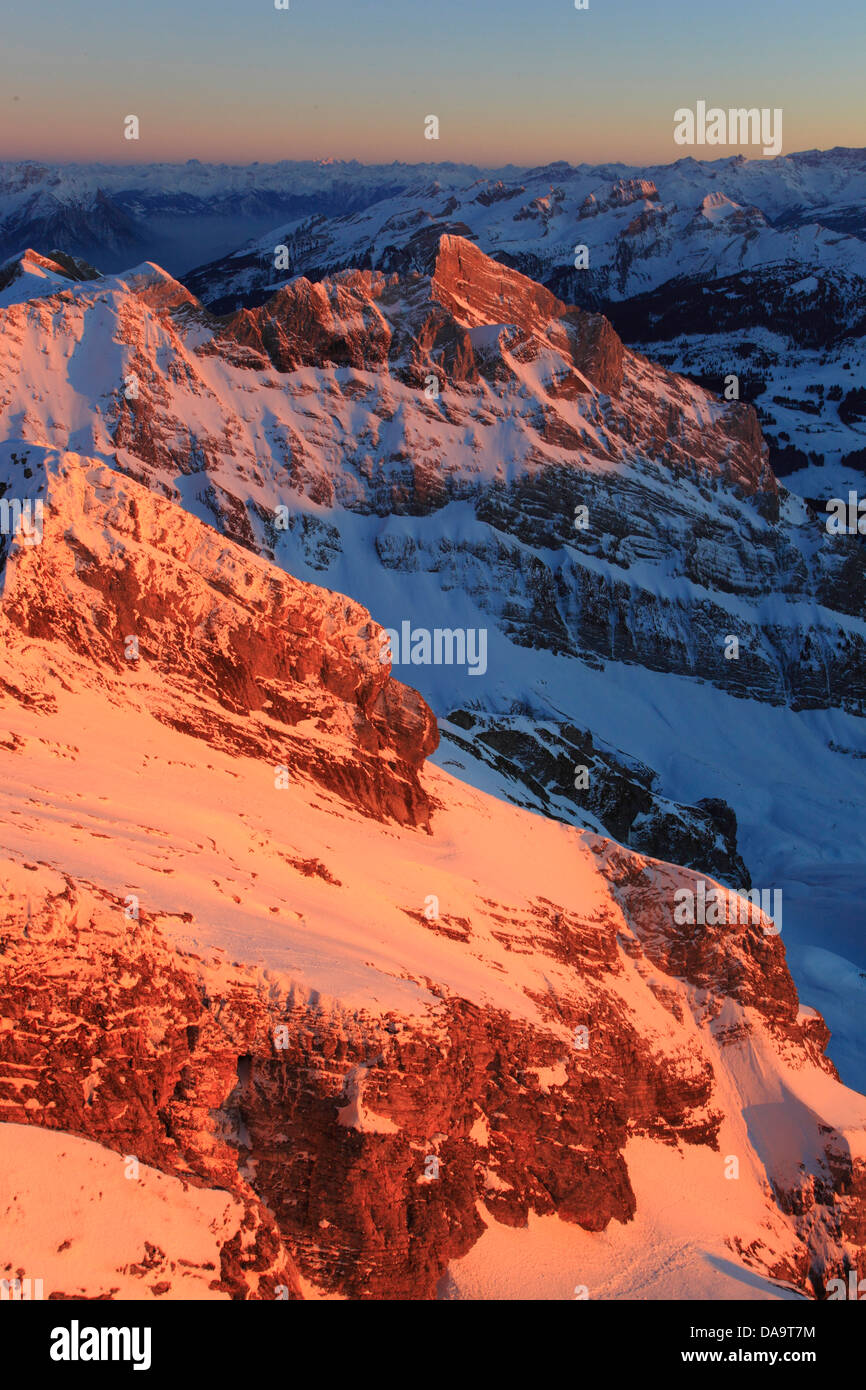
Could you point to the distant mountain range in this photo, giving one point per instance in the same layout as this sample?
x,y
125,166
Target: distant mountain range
x,y
733,267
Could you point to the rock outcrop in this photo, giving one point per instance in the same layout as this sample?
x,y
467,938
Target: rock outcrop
x,y
215,641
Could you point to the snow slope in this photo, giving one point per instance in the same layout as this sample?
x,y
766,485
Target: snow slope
x,y
430,978
459,514
92,1223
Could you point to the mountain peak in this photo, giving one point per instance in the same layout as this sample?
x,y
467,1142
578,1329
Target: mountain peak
x,y
155,287
480,290
30,275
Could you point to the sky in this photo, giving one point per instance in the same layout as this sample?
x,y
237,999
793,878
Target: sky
x,y
511,81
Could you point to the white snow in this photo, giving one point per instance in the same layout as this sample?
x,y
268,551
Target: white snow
x,y
70,1216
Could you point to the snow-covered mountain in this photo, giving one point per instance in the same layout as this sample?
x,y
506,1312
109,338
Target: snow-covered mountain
x,y
290,1012
731,267
182,214
193,210
461,451
642,226
467,411
368,954
751,268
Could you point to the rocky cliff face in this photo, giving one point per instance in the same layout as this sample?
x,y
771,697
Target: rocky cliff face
x,y
95,1043
360,1144
380,1010
216,642
559,770
484,447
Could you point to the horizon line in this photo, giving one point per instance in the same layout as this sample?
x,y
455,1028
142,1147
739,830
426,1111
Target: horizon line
x,y
424,163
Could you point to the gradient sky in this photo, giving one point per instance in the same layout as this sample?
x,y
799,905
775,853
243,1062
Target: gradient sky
x,y
522,81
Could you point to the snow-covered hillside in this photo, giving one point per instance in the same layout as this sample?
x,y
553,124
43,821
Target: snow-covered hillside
x,y
467,1051
89,1222
308,430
